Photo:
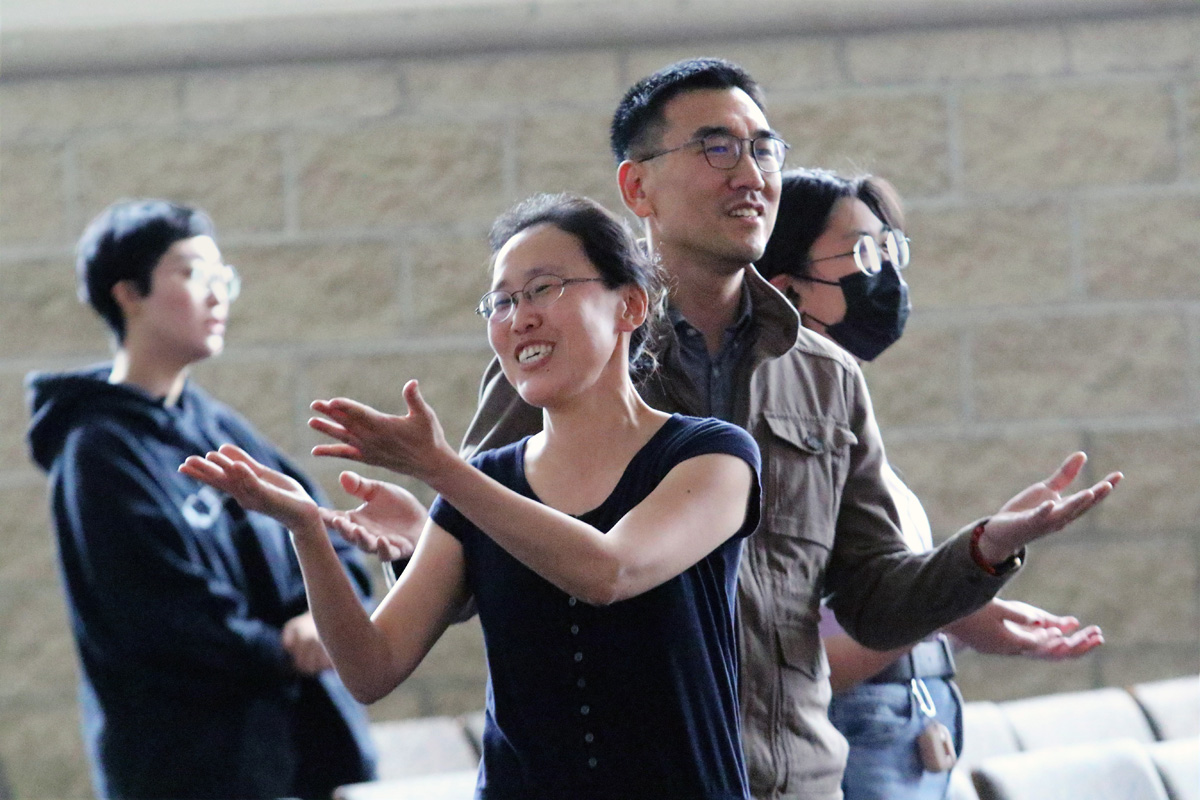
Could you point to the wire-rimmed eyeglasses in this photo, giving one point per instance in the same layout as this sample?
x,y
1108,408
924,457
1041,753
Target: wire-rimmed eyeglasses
x,y
202,280
539,291
869,255
724,151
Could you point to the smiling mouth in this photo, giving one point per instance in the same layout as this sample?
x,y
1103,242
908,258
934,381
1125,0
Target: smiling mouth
x,y
745,212
533,352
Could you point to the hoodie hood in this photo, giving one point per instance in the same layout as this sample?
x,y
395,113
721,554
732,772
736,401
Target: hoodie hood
x,y
59,402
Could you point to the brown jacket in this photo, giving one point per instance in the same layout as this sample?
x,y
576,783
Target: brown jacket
x,y
828,528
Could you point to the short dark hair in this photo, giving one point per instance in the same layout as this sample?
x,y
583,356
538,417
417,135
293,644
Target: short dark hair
x,y
125,242
609,243
637,122
806,201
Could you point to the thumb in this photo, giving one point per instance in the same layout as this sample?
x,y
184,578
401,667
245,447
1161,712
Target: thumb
x,y
358,486
417,406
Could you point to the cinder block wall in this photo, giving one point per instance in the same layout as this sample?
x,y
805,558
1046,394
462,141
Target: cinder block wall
x,y
1052,174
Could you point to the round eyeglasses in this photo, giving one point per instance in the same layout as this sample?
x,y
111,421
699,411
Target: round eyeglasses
x,y
540,291
869,255
202,280
724,151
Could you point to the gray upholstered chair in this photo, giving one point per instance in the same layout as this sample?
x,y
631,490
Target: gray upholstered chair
x,y
1171,705
1077,718
1117,769
1178,763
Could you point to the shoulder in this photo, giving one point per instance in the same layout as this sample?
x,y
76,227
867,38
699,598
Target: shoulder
x,y
687,437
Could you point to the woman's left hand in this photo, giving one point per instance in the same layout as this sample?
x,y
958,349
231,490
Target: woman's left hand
x,y
256,487
410,445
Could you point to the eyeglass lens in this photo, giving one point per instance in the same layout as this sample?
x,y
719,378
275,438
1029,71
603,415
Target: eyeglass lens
x,y
870,258
540,291
723,151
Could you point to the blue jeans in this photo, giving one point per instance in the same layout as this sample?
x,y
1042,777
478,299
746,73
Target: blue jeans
x,y
882,722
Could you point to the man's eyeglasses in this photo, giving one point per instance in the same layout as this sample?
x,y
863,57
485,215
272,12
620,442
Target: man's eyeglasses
x,y
869,255
724,151
540,291
202,280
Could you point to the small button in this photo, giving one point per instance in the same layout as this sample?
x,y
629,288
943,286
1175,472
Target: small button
x,y
585,710
592,762
581,683
574,629
587,737
572,601
578,657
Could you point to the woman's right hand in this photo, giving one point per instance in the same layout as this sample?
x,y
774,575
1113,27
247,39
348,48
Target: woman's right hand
x,y
256,487
410,445
387,524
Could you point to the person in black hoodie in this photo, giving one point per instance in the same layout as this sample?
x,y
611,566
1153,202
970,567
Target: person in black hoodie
x,y
202,673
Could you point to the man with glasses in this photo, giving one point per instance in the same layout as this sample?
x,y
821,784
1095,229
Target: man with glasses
x,y
202,674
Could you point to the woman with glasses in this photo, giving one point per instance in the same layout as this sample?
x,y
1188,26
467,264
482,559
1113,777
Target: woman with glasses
x,y
838,252
601,553
202,675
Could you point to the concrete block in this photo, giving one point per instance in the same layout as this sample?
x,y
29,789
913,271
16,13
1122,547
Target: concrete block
x,y
449,383
237,179
262,390
448,276
400,175
989,255
41,313
42,749
1085,366
28,549
1191,128
1138,248
1162,42
782,66
956,55
324,292
37,653
1064,136
32,205
41,107
1160,466
1125,665
559,152
901,136
292,93
501,83
997,678
1106,583
960,480
918,380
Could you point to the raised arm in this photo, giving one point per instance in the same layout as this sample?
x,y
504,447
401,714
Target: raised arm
x,y
371,658
698,505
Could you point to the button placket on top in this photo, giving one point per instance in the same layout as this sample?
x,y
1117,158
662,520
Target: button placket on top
x,y
579,671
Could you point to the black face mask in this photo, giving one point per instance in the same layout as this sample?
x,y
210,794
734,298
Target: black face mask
x,y
877,309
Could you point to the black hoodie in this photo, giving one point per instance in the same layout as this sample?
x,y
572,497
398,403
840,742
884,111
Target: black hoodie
x,y
177,596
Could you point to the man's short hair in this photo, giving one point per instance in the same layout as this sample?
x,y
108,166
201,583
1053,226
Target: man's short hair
x,y
125,242
638,121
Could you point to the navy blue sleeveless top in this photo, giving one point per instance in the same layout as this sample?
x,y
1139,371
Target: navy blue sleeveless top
x,y
637,699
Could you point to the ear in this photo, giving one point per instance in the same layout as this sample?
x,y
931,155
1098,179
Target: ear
x,y
789,287
630,179
636,307
126,295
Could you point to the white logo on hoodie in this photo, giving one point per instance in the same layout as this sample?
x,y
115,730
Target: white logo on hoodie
x,y
202,508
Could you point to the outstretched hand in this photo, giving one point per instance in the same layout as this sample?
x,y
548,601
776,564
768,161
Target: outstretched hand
x,y
255,486
387,524
1013,628
410,445
1041,509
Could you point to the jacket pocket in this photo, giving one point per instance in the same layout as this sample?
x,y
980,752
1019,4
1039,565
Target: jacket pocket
x,y
805,464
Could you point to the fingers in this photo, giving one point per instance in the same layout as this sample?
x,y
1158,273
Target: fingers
x,y
346,451
1067,472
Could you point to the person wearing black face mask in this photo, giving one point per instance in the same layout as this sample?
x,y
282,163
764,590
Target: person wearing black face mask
x,y
838,253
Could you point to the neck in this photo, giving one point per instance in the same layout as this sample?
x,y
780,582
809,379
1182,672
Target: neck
x,y
590,426
707,294
155,378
